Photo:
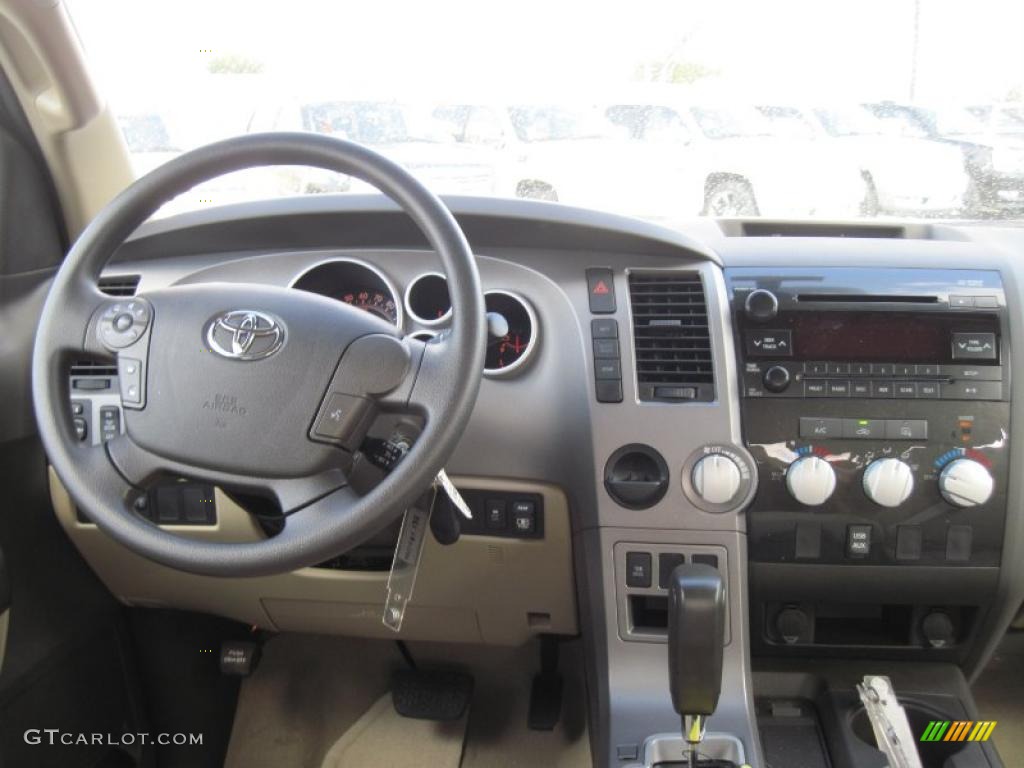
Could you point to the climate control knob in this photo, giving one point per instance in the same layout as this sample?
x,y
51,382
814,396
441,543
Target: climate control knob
x,y
888,482
716,478
966,483
811,480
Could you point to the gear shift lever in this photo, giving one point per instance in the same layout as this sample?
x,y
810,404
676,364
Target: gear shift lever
x,y
696,634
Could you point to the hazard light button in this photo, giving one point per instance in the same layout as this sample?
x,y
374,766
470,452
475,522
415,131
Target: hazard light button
x,y
601,287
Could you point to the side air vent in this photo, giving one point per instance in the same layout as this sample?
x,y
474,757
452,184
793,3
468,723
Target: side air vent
x,y
671,337
119,285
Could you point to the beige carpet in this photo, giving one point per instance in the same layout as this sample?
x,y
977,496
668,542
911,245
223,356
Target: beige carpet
x,y
323,701
384,739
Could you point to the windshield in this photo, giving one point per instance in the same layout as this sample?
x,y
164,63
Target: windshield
x,y
657,109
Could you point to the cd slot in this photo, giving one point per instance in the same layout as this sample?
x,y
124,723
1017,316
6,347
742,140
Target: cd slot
x,y
862,298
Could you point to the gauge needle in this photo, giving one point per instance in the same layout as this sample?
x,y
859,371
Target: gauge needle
x,y
497,325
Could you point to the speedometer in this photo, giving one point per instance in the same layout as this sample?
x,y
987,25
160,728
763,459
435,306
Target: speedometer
x,y
355,283
374,301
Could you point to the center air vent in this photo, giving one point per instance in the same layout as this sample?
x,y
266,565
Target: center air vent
x,y
119,285
671,337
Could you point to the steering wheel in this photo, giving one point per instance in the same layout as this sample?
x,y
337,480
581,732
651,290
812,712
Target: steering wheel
x,y
260,388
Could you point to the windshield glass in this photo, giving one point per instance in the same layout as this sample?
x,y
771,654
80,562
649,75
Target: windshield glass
x,y
658,109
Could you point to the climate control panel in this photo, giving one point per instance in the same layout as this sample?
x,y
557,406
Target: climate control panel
x,y
879,483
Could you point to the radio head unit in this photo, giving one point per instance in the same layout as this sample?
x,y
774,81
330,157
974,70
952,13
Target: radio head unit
x,y
930,334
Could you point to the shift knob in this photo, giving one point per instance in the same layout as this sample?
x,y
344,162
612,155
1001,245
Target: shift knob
x,y
696,635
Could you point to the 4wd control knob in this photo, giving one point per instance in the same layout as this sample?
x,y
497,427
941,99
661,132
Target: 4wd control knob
x,y
966,483
888,482
761,305
811,480
776,378
716,478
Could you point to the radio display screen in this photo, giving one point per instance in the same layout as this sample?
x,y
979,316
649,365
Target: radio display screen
x,y
878,336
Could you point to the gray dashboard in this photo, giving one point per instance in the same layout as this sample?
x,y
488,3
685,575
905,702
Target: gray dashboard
x,y
544,422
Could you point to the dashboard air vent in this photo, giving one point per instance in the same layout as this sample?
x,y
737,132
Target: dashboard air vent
x,y
119,285
671,337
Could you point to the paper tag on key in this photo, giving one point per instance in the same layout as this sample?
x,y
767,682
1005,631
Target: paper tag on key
x,y
442,480
406,563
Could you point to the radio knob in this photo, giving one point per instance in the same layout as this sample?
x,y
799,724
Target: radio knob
x,y
888,482
966,483
811,480
716,478
776,378
761,305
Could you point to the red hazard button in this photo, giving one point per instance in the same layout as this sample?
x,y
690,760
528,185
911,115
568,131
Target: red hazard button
x,y
601,287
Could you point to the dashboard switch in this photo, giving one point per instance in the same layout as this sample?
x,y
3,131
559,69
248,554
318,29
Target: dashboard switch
x,y
858,540
609,391
601,288
638,569
523,517
495,514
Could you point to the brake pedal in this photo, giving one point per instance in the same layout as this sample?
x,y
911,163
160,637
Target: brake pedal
x,y
435,694
546,691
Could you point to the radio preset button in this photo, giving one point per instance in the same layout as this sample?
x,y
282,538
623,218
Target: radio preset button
x,y
881,369
974,346
881,389
816,369
860,369
838,369
905,389
814,388
838,388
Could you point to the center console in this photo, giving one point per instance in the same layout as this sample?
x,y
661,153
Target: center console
x,y
875,404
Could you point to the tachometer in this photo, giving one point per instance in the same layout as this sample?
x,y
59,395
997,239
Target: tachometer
x,y
355,283
509,351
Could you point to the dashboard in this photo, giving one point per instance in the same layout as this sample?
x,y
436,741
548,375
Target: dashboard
x,y
823,413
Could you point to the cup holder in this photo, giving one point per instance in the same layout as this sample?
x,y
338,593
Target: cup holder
x,y
934,754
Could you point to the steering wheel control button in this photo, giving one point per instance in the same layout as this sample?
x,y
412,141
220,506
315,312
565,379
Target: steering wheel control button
x,y
858,540
601,289
122,324
716,478
129,375
888,482
110,422
638,570
341,418
811,480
